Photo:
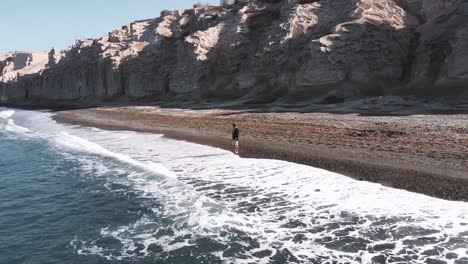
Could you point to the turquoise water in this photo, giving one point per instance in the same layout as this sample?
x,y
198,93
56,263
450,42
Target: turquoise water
x,y
71,194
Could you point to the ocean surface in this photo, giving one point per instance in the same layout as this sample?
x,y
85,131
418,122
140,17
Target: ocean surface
x,y
71,194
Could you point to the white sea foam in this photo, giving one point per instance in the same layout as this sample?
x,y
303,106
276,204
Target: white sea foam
x,y
12,127
190,212
292,199
317,215
8,124
6,113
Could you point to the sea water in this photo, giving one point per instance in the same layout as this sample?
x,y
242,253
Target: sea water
x,y
72,194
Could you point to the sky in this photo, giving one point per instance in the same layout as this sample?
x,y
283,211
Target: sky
x,y
39,25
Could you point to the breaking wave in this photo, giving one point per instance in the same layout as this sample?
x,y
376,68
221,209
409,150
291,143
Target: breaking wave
x,y
209,206
7,123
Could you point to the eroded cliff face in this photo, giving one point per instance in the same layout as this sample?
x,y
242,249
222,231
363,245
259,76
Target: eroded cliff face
x,y
14,66
322,51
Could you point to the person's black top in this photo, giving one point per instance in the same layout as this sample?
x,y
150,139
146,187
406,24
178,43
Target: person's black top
x,y
235,134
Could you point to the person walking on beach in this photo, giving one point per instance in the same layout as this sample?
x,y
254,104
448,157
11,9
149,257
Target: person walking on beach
x,y
235,138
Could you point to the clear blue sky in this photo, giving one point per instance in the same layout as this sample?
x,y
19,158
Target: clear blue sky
x,y
34,25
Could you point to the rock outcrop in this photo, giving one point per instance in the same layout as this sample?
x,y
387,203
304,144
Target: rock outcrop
x,y
14,66
261,51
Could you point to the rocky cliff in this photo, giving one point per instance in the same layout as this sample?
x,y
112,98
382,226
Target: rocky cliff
x,y
15,65
261,51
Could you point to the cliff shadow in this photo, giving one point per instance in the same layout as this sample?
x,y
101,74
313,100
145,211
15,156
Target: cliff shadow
x,y
256,77
373,91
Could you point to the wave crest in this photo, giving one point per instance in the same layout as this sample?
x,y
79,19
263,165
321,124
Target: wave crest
x,y
8,124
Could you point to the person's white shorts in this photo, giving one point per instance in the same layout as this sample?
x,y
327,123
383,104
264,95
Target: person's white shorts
x,y
235,142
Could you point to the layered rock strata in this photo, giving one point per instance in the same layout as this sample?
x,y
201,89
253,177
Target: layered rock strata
x,y
262,51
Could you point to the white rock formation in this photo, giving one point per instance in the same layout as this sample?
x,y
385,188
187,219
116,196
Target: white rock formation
x,y
260,51
16,64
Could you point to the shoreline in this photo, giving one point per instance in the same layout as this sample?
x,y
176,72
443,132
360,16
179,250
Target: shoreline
x,y
344,144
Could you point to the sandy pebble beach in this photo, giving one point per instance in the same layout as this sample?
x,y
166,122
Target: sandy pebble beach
x,y
419,153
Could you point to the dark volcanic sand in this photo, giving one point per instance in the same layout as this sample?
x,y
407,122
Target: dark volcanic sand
x,y
426,153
